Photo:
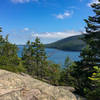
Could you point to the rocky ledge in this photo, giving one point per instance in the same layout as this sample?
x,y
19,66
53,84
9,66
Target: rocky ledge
x,y
24,87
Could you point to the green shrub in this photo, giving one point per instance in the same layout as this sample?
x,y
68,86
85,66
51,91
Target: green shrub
x,y
16,69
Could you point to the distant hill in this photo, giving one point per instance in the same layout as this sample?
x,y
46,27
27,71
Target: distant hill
x,y
73,43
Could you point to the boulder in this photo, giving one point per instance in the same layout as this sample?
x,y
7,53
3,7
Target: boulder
x,y
24,87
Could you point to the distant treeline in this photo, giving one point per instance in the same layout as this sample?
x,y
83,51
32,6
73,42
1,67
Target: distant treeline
x,y
73,43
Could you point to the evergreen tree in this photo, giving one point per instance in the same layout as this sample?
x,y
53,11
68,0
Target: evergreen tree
x,y
68,62
90,55
9,59
8,54
53,73
34,57
2,40
92,36
40,57
28,58
0,29
65,72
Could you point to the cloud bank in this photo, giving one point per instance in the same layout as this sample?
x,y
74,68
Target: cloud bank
x,y
56,35
22,36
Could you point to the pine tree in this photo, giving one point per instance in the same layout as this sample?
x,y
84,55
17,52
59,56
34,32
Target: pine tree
x,y
92,36
40,57
68,62
2,40
65,72
28,58
90,55
53,73
8,54
0,29
9,59
35,58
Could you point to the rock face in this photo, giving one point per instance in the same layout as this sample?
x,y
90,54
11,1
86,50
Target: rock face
x,y
23,87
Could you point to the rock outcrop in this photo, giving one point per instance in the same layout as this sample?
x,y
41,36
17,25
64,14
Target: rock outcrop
x,y
23,87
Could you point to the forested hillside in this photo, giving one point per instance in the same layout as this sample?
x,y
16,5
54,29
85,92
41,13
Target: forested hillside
x,y
73,43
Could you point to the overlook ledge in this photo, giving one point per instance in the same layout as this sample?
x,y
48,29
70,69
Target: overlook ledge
x,y
24,87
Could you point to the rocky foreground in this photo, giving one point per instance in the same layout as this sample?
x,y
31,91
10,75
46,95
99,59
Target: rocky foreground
x,y
23,87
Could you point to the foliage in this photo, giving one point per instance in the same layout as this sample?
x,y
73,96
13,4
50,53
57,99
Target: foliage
x,y
94,94
34,58
65,78
90,57
53,73
0,29
8,56
28,58
17,69
36,63
96,76
68,62
92,36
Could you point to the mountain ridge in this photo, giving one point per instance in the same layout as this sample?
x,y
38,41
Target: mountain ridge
x,y
72,43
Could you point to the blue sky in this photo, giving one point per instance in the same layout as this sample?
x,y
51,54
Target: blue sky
x,y
50,20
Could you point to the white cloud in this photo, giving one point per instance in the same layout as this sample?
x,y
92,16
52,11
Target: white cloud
x,y
26,29
56,35
23,1
21,37
60,16
64,15
92,1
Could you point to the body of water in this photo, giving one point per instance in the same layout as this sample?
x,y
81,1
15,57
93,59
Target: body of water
x,y
57,56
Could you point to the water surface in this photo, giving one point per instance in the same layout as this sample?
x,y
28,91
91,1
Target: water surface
x,y
57,56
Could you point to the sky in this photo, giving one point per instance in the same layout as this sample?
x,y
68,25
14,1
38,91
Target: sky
x,y
50,20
